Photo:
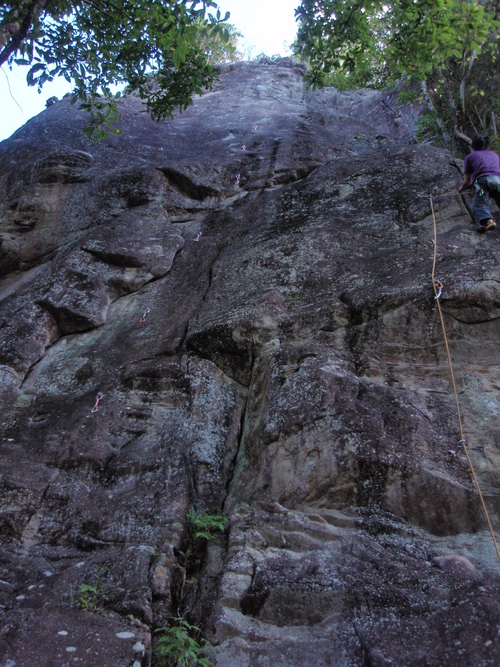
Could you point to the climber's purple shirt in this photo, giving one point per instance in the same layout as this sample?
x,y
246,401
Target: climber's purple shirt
x,y
482,163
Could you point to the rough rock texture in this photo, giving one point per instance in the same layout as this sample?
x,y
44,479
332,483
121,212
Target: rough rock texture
x,y
290,372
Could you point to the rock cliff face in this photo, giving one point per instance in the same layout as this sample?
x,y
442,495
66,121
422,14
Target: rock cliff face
x,y
289,371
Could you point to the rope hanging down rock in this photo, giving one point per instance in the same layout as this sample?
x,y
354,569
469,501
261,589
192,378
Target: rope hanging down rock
x,y
438,287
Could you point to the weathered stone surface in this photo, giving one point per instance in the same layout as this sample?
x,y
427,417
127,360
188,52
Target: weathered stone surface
x,y
248,286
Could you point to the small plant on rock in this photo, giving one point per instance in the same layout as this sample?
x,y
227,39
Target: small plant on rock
x,y
179,648
200,529
90,596
205,525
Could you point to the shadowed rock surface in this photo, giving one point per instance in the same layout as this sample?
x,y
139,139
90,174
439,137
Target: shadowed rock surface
x,y
289,372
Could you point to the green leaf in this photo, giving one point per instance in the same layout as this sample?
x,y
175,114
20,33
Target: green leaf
x,y
87,588
30,77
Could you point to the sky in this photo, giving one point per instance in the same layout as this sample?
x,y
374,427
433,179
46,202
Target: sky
x,y
268,26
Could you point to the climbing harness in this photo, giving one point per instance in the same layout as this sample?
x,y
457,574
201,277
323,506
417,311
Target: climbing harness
x,y
438,287
99,397
144,315
479,190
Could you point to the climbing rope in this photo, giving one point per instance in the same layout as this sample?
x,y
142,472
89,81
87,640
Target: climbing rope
x,y
453,193
438,288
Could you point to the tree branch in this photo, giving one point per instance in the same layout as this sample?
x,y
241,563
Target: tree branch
x,y
345,23
463,137
35,9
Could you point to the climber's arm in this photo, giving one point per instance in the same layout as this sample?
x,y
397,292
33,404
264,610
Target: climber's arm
x,y
466,183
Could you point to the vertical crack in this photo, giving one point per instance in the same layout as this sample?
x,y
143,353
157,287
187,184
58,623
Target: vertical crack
x,y
182,342
352,331
243,432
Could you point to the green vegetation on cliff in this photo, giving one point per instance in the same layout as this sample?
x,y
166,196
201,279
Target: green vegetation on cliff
x,y
100,43
449,46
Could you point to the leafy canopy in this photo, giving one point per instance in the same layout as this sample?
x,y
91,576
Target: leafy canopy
x,y
450,45
100,43
219,47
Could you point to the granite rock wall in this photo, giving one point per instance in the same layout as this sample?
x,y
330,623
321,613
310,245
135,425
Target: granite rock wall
x,y
289,372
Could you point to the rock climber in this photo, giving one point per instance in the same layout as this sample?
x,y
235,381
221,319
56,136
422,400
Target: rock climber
x,y
482,170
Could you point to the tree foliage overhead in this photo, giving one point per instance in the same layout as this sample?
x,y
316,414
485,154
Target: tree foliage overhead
x,y
450,45
99,43
219,48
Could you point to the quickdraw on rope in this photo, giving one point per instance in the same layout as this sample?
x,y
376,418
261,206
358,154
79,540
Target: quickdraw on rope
x,y
144,315
439,287
99,398
437,291
238,176
453,453
198,236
